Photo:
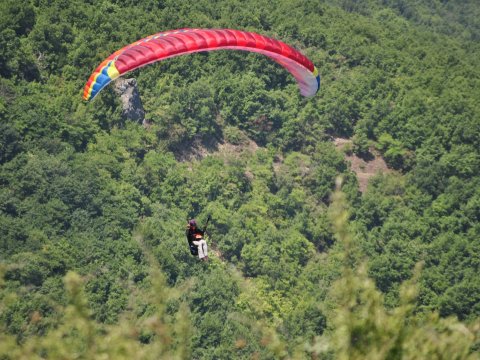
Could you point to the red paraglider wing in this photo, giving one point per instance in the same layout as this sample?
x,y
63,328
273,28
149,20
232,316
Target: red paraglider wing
x,y
168,44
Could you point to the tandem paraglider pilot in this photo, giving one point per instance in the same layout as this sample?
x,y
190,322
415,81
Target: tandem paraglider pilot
x,y
196,241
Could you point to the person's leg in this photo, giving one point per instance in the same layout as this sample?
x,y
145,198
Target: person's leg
x,y
199,244
204,249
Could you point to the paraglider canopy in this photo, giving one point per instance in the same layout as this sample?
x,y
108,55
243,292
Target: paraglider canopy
x,y
173,43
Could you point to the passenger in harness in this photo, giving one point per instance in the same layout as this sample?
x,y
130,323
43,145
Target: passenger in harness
x,y
196,242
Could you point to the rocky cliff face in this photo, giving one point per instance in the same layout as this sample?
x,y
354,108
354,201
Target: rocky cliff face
x,y
131,102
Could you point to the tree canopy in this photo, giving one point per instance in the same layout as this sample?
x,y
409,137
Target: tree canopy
x,y
93,206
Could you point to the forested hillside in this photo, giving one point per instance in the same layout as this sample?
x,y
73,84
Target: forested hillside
x,y
94,262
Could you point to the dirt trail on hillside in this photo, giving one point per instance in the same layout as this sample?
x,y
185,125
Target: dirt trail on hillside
x,y
364,169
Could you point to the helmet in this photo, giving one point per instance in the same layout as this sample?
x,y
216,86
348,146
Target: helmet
x,y
192,222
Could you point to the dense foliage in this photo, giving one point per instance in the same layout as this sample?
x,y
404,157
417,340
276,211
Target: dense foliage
x,y
93,206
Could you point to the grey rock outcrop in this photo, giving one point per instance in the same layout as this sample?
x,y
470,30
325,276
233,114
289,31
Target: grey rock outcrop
x,y
132,107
